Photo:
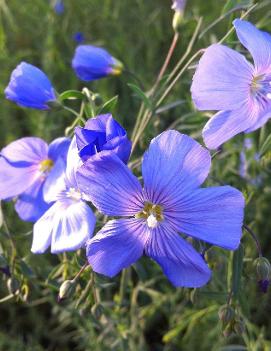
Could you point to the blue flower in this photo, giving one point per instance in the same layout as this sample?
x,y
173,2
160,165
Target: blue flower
x,y
171,201
69,222
79,37
227,82
59,7
103,133
91,63
30,87
25,166
178,5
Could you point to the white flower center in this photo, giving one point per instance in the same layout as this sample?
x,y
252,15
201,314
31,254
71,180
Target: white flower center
x,y
152,221
74,194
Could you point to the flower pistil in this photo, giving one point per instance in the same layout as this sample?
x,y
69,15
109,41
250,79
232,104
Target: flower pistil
x,y
152,213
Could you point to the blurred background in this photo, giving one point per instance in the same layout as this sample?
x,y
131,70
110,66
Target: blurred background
x,y
147,313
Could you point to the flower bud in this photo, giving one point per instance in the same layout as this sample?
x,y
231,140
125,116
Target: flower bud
x,y
4,265
226,314
228,331
263,268
13,285
97,99
66,289
177,21
239,327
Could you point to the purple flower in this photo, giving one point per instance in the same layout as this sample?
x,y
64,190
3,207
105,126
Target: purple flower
x,y
102,133
91,63
178,5
171,201
79,37
25,166
59,7
69,222
30,87
226,81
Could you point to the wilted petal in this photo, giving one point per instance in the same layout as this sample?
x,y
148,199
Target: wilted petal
x,y
182,265
116,246
212,214
111,186
30,205
222,79
257,42
173,164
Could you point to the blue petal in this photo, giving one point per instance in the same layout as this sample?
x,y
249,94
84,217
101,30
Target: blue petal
x,y
55,183
30,87
263,117
213,214
111,186
15,180
91,62
116,246
59,148
30,205
222,79
173,164
257,42
73,164
226,124
183,266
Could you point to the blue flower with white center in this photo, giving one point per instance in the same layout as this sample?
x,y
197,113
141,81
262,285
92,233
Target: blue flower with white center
x,y
227,82
103,133
25,166
30,87
69,222
91,63
171,201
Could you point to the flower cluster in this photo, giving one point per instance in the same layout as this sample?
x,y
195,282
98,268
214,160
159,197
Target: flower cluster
x,y
54,185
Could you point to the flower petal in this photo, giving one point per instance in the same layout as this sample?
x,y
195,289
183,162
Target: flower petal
x,y
59,148
222,79
226,124
73,225
25,151
110,185
180,262
15,180
257,42
116,246
73,164
263,117
30,205
212,214
55,183
174,162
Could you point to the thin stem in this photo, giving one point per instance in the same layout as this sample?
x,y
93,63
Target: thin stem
x,y
123,284
81,271
70,110
134,76
254,236
12,242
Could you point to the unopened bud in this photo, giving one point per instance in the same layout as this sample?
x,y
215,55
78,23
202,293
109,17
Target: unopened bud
x,y
239,327
228,331
177,20
97,310
13,285
194,296
97,99
263,285
55,105
226,314
263,268
3,261
66,289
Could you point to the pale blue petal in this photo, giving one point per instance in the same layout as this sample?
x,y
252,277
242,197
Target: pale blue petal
x,y
55,183
59,148
117,245
73,164
173,164
182,265
222,79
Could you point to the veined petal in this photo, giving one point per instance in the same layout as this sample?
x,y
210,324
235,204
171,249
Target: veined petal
x,y
30,205
257,42
55,182
173,164
117,245
59,148
226,124
263,117
212,214
25,151
110,185
222,79
181,263
15,180
73,226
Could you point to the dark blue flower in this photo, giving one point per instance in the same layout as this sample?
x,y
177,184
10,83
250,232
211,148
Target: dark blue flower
x,y
103,133
79,37
25,166
30,87
91,63
59,7
171,201
69,222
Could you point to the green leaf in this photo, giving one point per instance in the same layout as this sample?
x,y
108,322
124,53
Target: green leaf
x,y
109,105
266,146
142,96
71,95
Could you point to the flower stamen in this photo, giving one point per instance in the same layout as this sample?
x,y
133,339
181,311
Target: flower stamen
x,y
152,213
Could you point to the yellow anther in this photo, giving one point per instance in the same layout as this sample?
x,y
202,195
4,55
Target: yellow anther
x,y
46,165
